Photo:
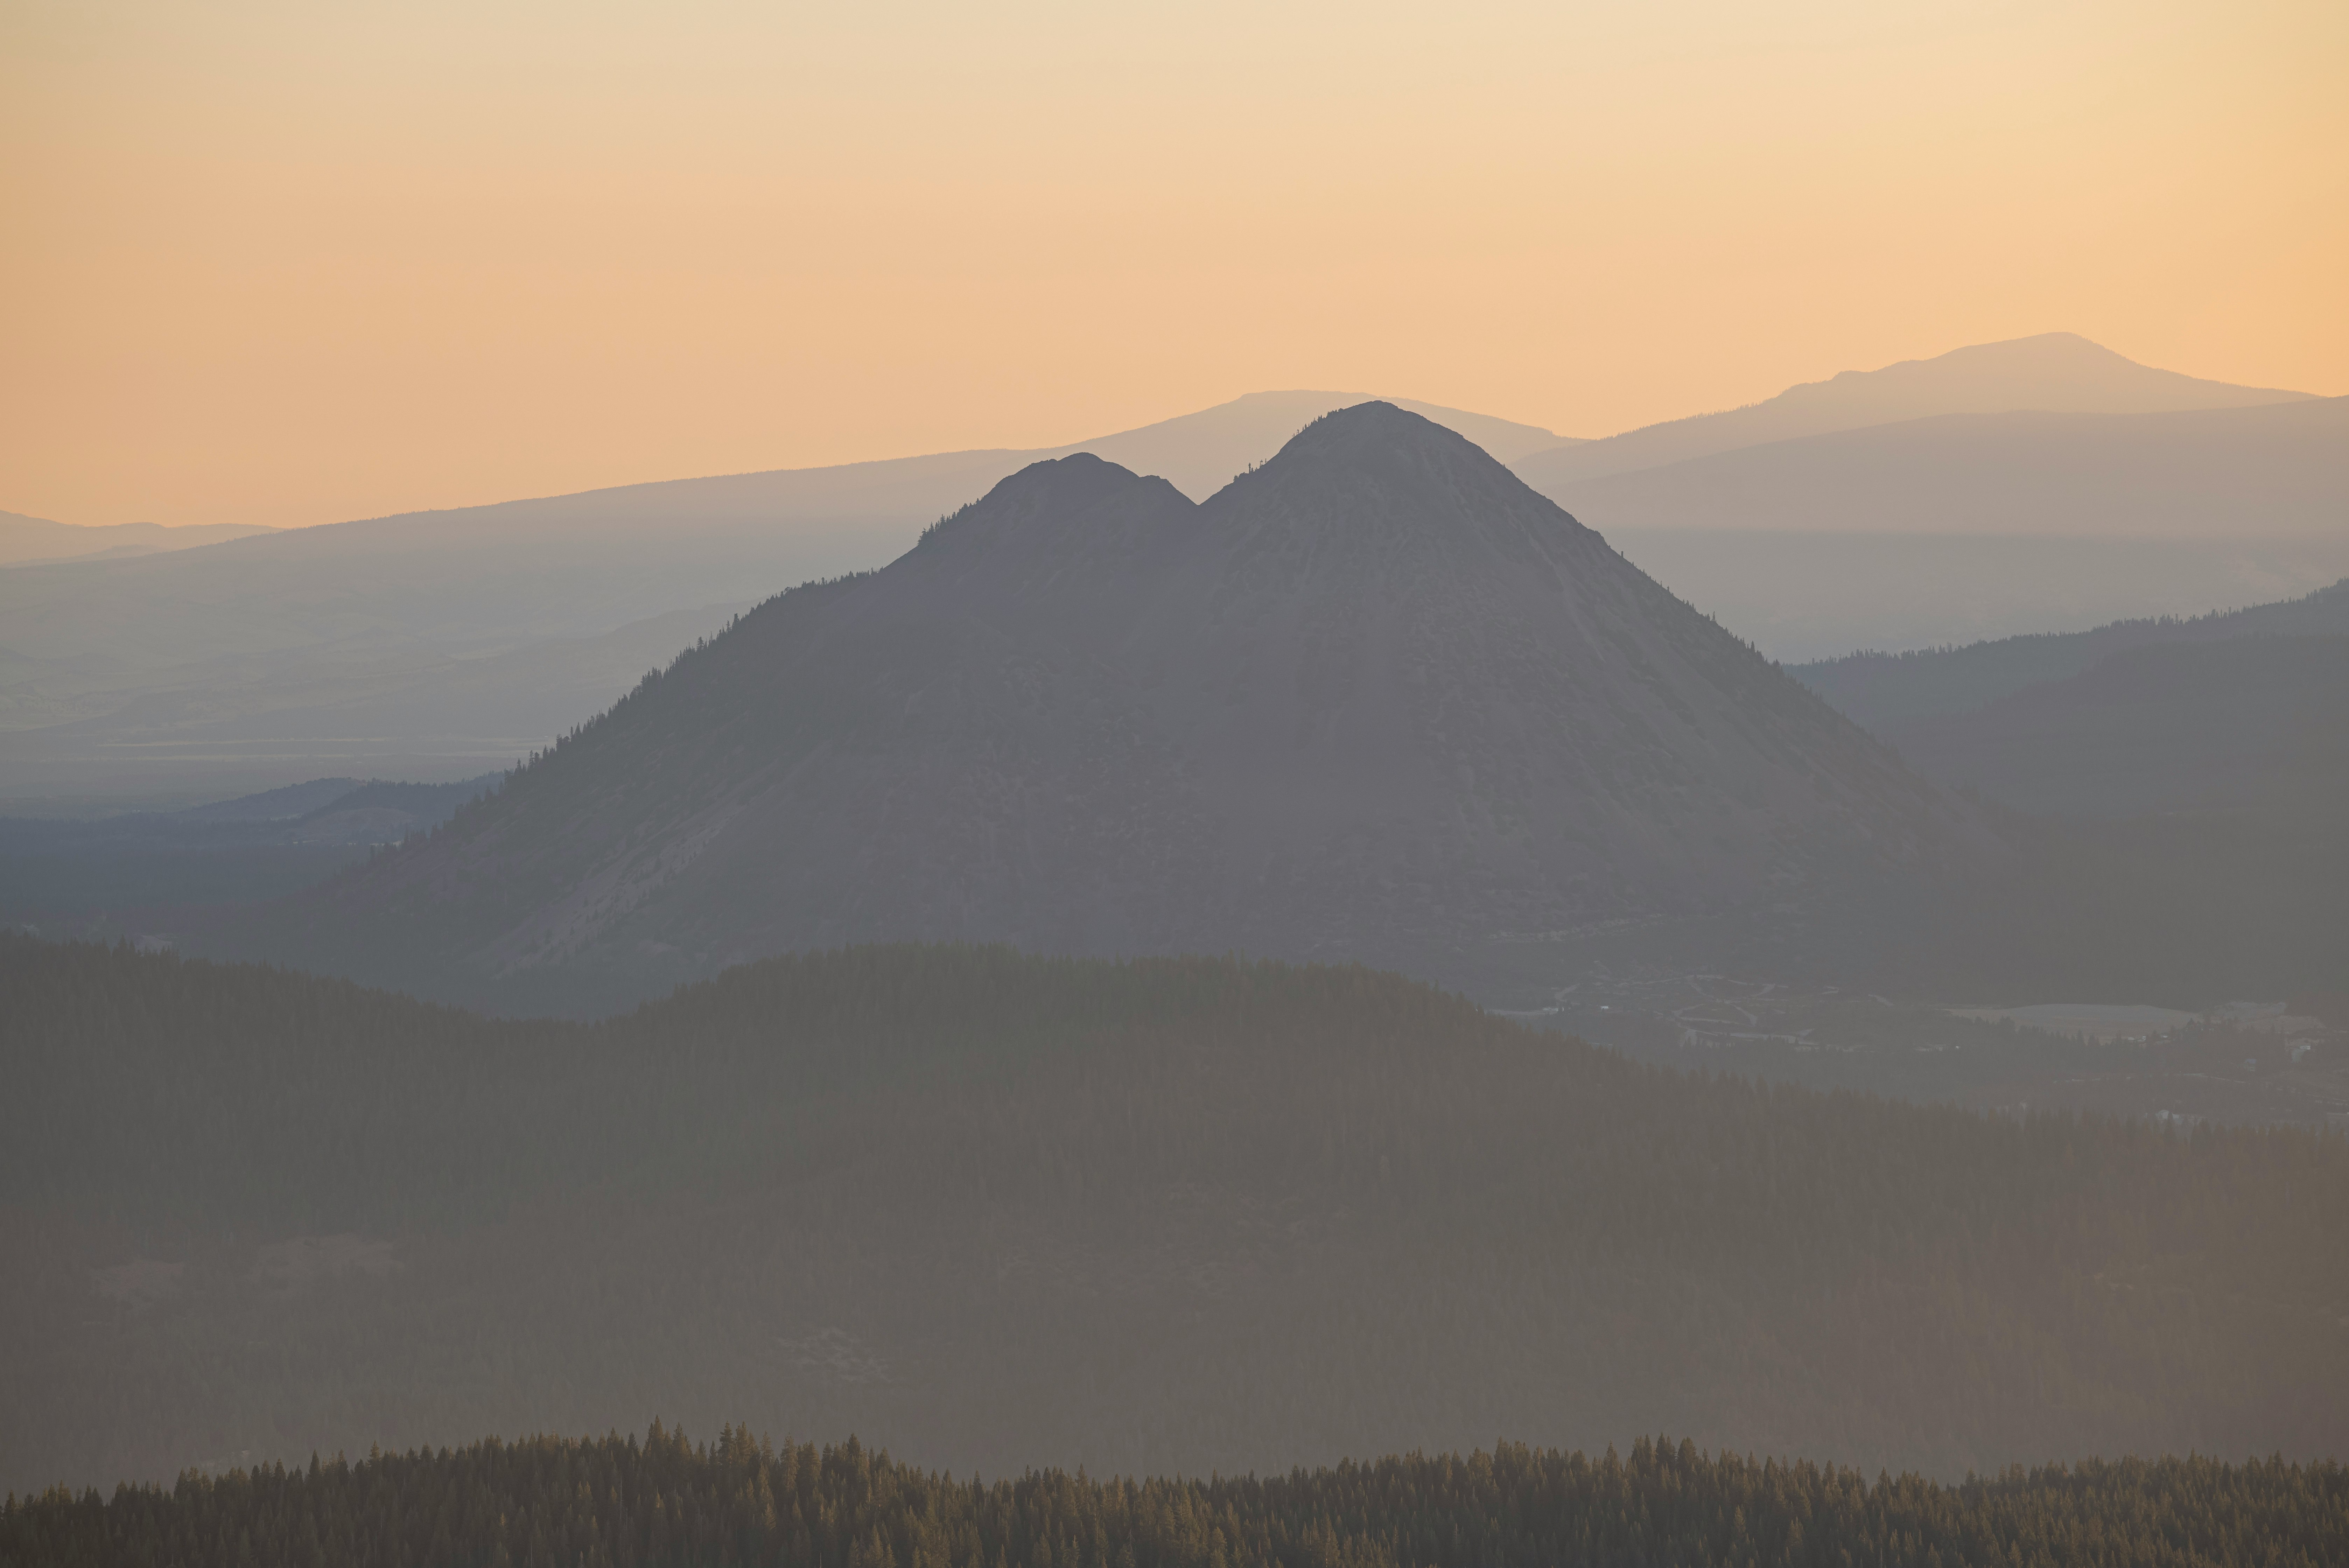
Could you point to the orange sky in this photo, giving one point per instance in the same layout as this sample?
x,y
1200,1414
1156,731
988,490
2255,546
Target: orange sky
x,y
294,263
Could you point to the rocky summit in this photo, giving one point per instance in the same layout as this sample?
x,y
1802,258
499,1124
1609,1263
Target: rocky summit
x,y
1374,698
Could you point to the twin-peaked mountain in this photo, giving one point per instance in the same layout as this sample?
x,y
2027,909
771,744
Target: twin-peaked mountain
x,y
1375,698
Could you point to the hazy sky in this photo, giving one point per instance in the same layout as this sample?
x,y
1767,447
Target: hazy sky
x,y
294,263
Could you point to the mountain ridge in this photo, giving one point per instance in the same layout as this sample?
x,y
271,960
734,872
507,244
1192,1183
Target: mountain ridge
x,y
2052,372
2272,469
1872,687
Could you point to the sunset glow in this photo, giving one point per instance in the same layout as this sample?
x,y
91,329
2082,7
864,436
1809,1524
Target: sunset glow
x,y
291,264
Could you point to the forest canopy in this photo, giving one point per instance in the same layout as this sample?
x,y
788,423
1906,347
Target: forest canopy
x,y
618,1502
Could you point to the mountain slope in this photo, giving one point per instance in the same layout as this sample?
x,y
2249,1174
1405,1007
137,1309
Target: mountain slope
x,y
2056,372
1375,698
2277,471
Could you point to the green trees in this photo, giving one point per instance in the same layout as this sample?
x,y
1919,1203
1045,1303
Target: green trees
x,y
614,1503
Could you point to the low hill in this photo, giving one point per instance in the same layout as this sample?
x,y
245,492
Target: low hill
x,y
1374,698
1878,688
1171,1215
2056,372
549,1503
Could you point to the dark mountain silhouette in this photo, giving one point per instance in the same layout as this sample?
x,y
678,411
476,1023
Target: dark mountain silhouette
x,y
1374,698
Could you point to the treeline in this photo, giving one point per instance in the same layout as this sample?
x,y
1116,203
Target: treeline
x,y
617,1503
1165,1216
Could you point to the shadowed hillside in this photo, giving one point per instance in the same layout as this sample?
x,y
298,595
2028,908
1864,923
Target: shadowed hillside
x,y
1176,1215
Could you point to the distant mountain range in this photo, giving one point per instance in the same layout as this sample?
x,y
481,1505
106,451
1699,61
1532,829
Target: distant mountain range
x,y
2268,471
2056,372
1374,698
26,541
435,643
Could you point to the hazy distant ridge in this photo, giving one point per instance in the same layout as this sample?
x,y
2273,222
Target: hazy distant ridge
x,y
1873,687
26,541
2056,372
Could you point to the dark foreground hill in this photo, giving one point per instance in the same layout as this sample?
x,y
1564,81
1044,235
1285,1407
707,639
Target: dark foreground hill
x,y
1374,700
614,1502
1167,1216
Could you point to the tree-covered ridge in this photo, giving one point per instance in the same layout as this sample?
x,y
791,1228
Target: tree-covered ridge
x,y
614,1503
1165,1216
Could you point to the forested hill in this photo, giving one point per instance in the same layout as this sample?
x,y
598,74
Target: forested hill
x,y
616,1503
1876,687
1171,1216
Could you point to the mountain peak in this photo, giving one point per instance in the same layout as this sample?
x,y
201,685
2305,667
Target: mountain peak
x,y
1072,505
1385,445
1373,423
1375,698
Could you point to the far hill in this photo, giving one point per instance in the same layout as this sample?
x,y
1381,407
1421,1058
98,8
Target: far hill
x,y
1374,698
25,540
1876,687
2276,471
1173,1216
2056,372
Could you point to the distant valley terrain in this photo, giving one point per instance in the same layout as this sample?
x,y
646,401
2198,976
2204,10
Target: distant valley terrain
x,y
119,874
